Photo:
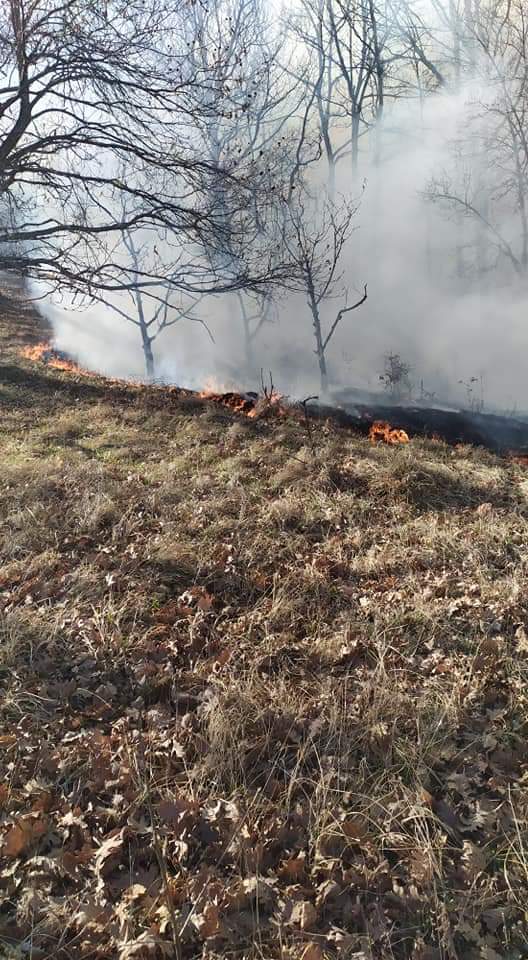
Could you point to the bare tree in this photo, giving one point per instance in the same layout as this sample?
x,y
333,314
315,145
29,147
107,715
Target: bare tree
x,y
315,71
356,63
86,87
492,147
249,104
315,238
358,45
155,310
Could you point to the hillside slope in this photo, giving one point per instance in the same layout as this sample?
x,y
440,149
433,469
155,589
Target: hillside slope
x,y
258,700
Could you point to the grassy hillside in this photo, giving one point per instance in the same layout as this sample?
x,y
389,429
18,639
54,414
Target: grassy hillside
x,y
256,702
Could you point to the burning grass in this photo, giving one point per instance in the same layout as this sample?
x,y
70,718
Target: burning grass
x,y
386,433
44,352
264,693
251,405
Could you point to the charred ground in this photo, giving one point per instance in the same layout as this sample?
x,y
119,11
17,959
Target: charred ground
x,y
264,689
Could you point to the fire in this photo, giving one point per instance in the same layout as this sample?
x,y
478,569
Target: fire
x,y
249,404
238,402
383,431
46,353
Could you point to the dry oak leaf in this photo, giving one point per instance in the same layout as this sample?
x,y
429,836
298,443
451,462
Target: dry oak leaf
x,y
205,602
23,834
207,923
90,911
355,829
135,892
173,811
109,853
473,860
168,613
327,891
260,892
303,914
293,868
234,897
146,947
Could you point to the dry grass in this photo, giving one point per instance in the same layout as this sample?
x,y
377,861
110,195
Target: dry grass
x,y
255,702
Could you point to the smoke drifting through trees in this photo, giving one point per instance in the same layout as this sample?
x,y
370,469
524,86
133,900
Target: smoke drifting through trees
x,y
103,114
419,105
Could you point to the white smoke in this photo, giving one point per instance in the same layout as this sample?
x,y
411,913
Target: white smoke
x,y
447,328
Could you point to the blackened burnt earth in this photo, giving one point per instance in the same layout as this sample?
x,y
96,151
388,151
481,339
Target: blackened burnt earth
x,y
496,433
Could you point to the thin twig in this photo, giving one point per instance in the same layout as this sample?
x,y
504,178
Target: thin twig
x,y
176,939
341,314
308,424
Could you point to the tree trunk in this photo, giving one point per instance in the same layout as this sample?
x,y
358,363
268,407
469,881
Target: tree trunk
x,y
323,372
150,366
248,340
319,348
459,219
355,140
521,198
143,326
324,110
380,82
331,177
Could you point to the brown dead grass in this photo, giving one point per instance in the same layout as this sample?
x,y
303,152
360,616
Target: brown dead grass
x,y
256,703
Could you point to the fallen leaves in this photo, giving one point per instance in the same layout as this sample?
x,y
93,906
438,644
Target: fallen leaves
x,y
473,861
259,893
24,834
293,869
188,604
301,913
147,946
312,951
109,853
306,735
207,922
8,739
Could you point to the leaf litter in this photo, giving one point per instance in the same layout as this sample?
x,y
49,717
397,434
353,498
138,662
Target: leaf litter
x,y
249,722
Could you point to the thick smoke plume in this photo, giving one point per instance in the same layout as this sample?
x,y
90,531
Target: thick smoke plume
x,y
442,293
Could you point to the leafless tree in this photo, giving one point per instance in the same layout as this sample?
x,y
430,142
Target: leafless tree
x,y
152,311
249,104
358,36
315,71
315,238
85,88
354,50
492,149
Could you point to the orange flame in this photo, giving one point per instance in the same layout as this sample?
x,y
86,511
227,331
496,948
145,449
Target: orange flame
x,y
383,431
250,405
47,354
235,401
